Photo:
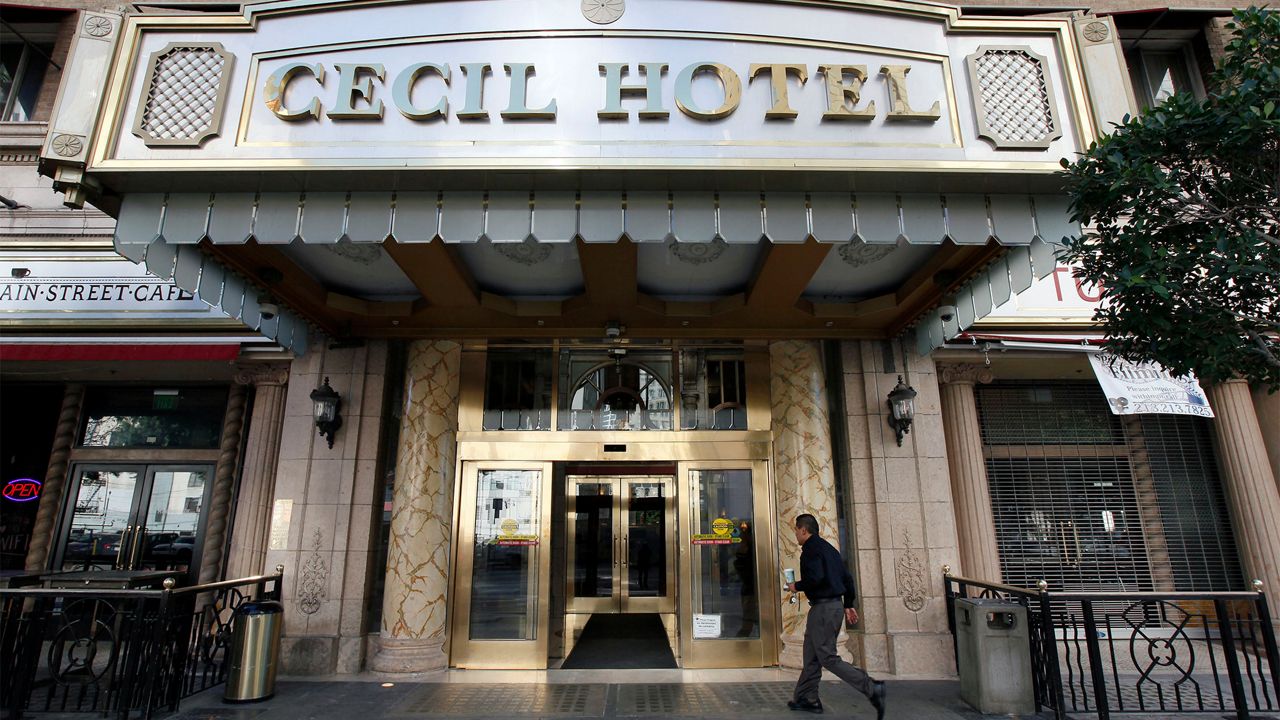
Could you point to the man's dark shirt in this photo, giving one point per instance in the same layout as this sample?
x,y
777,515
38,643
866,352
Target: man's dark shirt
x,y
822,572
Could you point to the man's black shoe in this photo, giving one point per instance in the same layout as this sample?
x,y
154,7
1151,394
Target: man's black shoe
x,y
877,699
813,707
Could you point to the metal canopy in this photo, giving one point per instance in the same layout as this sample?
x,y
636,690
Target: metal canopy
x,y
163,229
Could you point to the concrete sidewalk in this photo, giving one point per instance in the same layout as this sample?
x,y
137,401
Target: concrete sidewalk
x,y
479,697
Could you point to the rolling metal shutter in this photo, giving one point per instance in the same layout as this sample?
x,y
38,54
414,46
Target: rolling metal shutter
x,y
1092,501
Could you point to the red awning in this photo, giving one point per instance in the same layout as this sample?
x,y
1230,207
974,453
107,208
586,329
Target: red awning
x,y
66,352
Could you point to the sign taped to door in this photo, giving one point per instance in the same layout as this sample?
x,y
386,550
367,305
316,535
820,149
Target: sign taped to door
x,y
510,535
706,627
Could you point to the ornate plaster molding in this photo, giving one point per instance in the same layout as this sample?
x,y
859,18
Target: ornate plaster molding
x,y
262,374
972,374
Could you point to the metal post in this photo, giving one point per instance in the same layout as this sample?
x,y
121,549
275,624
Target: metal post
x,y
1233,662
1095,662
1049,648
949,592
1268,634
277,591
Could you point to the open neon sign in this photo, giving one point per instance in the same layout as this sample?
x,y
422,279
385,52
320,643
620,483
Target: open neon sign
x,y
22,490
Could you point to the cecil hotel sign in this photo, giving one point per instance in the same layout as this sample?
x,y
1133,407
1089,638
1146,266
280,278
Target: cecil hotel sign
x,y
295,91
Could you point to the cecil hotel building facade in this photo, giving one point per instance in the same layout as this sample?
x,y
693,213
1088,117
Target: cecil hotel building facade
x,y
609,293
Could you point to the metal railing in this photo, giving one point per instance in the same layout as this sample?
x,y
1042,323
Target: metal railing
x,y
123,652
1108,653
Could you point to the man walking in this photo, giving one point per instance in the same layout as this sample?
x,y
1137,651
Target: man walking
x,y
829,588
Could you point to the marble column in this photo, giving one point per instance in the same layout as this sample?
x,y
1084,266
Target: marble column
x,y
417,580
975,524
224,475
802,465
1251,488
258,474
64,436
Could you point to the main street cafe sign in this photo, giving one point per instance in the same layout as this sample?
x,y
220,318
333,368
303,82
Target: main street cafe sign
x,y
513,84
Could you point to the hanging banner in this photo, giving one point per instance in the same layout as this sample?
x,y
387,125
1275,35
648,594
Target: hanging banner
x,y
1147,388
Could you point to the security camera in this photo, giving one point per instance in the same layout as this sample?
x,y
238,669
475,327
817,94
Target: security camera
x,y
947,313
268,309
613,330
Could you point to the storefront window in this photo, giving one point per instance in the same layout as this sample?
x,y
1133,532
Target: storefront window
x,y
175,417
1088,500
504,575
28,418
518,390
713,390
725,598
618,389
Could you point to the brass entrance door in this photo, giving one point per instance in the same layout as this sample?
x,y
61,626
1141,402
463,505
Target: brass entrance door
x,y
621,544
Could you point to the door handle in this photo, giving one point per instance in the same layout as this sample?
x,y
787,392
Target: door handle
x,y
626,550
139,535
125,539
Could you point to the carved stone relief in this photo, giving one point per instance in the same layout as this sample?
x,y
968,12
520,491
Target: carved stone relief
x,y
911,581
314,578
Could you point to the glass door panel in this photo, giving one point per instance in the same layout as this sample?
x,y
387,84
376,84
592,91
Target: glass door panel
x,y
170,522
591,504
100,519
648,539
724,623
501,597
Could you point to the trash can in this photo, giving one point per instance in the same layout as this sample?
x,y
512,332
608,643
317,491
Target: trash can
x,y
255,651
994,656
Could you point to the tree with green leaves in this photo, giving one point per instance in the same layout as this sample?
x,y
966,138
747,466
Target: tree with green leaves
x,y
1181,208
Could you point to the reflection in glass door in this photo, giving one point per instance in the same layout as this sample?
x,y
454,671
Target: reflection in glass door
x,y
621,536
503,568
135,517
724,624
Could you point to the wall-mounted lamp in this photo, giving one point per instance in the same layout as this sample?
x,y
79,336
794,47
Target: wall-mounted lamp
x,y
902,409
326,401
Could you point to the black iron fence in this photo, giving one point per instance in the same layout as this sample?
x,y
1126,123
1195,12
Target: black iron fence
x,y
1143,652
122,652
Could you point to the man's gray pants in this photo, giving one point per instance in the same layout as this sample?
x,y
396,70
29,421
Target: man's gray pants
x,y
820,633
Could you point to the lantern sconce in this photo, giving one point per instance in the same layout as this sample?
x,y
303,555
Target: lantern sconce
x,y
902,409
326,401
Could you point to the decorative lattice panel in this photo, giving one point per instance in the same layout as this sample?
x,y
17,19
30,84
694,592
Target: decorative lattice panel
x,y
1014,98
182,102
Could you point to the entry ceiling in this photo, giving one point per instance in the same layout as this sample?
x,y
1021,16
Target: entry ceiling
x,y
472,264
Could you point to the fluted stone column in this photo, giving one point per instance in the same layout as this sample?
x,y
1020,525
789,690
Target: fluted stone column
x,y
224,475
975,523
413,611
802,465
1267,406
252,523
64,436
1251,488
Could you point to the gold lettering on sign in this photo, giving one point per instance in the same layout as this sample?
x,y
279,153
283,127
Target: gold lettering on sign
x,y
651,91
899,107
778,86
844,92
517,107
402,92
730,85
355,84
273,91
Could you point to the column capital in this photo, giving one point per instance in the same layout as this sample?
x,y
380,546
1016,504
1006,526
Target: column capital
x,y
966,373
261,374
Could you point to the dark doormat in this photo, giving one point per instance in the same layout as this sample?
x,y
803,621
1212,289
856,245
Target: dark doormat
x,y
621,642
